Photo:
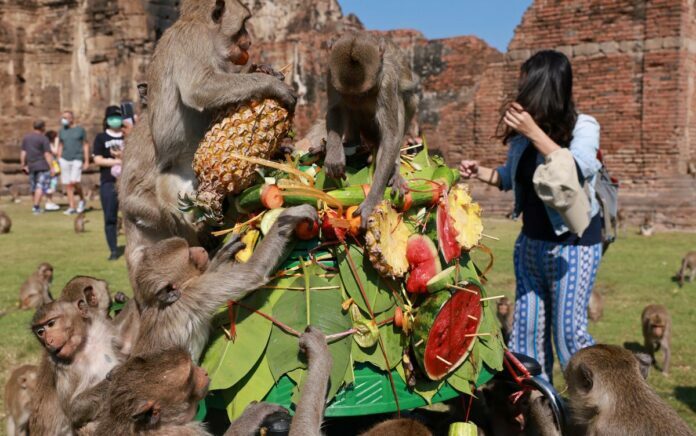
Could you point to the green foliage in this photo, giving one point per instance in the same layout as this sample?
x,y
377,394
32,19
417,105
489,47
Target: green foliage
x,y
377,288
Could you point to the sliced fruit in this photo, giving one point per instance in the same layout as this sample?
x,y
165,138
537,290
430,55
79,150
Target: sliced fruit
x,y
446,233
271,197
250,238
423,261
329,230
440,281
353,221
444,331
307,230
465,216
398,317
463,429
269,218
386,240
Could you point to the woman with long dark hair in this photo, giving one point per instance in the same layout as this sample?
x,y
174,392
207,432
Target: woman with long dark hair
x,y
556,259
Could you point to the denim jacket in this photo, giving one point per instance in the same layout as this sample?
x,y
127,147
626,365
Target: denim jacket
x,y
584,147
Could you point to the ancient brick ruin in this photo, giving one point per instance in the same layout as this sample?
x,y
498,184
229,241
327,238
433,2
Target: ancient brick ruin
x,y
634,61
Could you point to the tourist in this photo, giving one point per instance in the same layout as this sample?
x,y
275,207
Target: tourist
x,y
36,160
73,155
107,154
53,186
552,152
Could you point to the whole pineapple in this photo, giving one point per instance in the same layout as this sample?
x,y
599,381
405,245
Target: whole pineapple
x,y
386,240
253,129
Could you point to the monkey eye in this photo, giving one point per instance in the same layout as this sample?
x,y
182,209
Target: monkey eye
x,y
39,331
51,323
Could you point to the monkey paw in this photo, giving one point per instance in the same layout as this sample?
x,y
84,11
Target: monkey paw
x,y
398,185
313,342
120,297
295,214
335,162
252,418
233,246
364,211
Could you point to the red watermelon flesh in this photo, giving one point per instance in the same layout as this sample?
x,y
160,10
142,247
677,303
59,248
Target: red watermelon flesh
x,y
423,262
448,335
446,234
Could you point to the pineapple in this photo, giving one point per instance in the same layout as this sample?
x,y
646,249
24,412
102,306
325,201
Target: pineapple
x,y
466,216
254,129
386,240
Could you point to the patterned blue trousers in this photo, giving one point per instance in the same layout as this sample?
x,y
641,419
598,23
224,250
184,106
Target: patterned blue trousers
x,y
554,283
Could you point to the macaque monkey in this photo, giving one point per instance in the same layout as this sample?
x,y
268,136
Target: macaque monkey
x,y
93,291
80,221
688,264
657,332
400,426
505,312
648,226
14,193
5,223
19,391
35,291
178,289
621,219
372,99
608,396
81,347
595,309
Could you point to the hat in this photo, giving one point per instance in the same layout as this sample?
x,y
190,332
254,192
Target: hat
x,y
557,185
113,111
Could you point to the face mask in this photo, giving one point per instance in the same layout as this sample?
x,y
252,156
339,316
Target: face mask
x,y
114,122
64,122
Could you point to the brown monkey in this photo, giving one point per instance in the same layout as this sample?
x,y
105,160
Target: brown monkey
x,y
5,223
657,332
608,396
688,263
80,221
80,349
93,291
400,426
648,226
35,291
505,313
372,99
19,391
595,309
178,290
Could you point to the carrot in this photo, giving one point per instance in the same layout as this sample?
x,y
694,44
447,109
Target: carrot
x,y
398,317
271,197
408,202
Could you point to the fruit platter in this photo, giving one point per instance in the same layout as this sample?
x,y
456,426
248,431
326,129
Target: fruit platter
x,y
406,316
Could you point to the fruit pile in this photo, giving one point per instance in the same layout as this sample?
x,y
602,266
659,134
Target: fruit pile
x,y
390,302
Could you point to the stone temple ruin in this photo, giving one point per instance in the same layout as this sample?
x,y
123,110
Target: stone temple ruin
x,y
634,63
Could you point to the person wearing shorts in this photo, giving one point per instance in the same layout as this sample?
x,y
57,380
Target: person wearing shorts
x,y
73,155
37,161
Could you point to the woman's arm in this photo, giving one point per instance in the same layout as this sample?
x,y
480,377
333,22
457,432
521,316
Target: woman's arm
x,y
471,168
102,161
518,119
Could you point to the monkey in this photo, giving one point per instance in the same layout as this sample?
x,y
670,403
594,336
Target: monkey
x,y
13,192
80,221
657,332
399,426
93,291
688,263
178,290
505,312
5,223
80,348
142,95
119,225
35,291
621,219
19,391
691,168
648,226
371,98
595,309
608,396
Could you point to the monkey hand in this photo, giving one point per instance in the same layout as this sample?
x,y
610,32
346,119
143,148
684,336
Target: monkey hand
x,y
278,90
228,252
253,416
335,162
120,297
313,342
365,210
290,217
398,185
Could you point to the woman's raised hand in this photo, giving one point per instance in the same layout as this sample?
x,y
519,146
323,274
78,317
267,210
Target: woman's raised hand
x,y
468,168
518,119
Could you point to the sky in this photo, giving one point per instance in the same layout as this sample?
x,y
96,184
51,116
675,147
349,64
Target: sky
x,y
492,20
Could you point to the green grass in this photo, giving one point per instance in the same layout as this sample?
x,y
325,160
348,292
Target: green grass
x,y
636,272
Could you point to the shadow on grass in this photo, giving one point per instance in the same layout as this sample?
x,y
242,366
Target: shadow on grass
x,y
635,347
687,395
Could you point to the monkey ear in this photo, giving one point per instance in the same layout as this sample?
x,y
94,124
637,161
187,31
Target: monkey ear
x,y
90,296
585,378
82,308
147,413
218,11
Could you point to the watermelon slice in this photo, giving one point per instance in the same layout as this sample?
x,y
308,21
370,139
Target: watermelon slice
x,y
423,263
446,233
441,340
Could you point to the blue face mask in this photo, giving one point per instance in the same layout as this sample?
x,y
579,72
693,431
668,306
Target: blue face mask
x,y
114,122
64,122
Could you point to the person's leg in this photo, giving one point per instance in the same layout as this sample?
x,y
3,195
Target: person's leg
x,y
575,270
531,328
109,203
66,179
36,189
77,179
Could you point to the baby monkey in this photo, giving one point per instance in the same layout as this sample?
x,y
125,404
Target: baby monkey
x,y
657,332
19,391
372,99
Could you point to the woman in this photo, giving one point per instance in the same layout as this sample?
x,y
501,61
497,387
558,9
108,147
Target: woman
x,y
555,269
107,154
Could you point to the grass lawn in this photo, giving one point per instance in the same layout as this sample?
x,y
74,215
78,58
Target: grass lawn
x,y
636,272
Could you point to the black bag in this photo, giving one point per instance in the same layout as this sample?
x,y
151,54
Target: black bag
x,y
607,193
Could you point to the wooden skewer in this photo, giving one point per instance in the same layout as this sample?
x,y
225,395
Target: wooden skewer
x,y
443,360
496,297
298,288
417,344
474,335
490,237
473,317
285,69
459,288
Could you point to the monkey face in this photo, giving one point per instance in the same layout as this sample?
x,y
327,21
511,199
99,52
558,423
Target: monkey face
x,y
657,330
60,328
46,272
231,16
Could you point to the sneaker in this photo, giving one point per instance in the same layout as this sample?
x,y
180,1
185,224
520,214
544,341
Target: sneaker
x,y
70,211
51,206
36,210
81,206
